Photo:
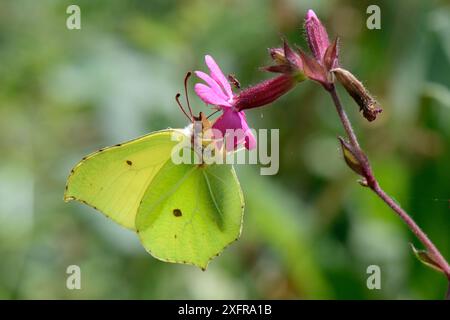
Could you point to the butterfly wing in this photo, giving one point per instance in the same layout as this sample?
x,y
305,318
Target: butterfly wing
x,y
190,213
113,180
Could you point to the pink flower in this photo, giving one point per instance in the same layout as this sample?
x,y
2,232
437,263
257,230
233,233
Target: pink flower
x,y
217,91
235,121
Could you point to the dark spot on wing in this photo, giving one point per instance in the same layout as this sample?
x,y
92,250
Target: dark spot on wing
x,y
129,162
118,145
177,212
175,236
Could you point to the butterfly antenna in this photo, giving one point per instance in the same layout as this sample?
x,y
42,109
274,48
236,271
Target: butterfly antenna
x,y
188,75
212,113
177,98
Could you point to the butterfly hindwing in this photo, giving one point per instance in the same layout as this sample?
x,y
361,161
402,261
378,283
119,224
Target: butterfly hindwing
x,y
190,213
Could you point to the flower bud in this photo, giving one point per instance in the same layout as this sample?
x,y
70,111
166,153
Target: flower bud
x,y
350,157
330,58
316,35
367,104
277,55
427,259
287,62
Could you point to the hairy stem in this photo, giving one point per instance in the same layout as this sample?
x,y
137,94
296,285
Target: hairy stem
x,y
373,184
414,228
344,118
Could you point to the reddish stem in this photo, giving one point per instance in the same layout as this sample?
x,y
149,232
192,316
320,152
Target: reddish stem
x,y
373,184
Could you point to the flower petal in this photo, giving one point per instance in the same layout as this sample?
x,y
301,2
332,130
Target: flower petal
x,y
212,83
250,140
241,133
218,75
209,96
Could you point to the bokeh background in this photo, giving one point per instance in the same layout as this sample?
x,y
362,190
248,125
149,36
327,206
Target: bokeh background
x,y
309,232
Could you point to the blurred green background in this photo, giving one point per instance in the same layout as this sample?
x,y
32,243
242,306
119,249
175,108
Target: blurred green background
x,y
309,232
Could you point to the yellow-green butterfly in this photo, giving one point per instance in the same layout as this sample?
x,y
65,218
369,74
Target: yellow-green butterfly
x,y
183,213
